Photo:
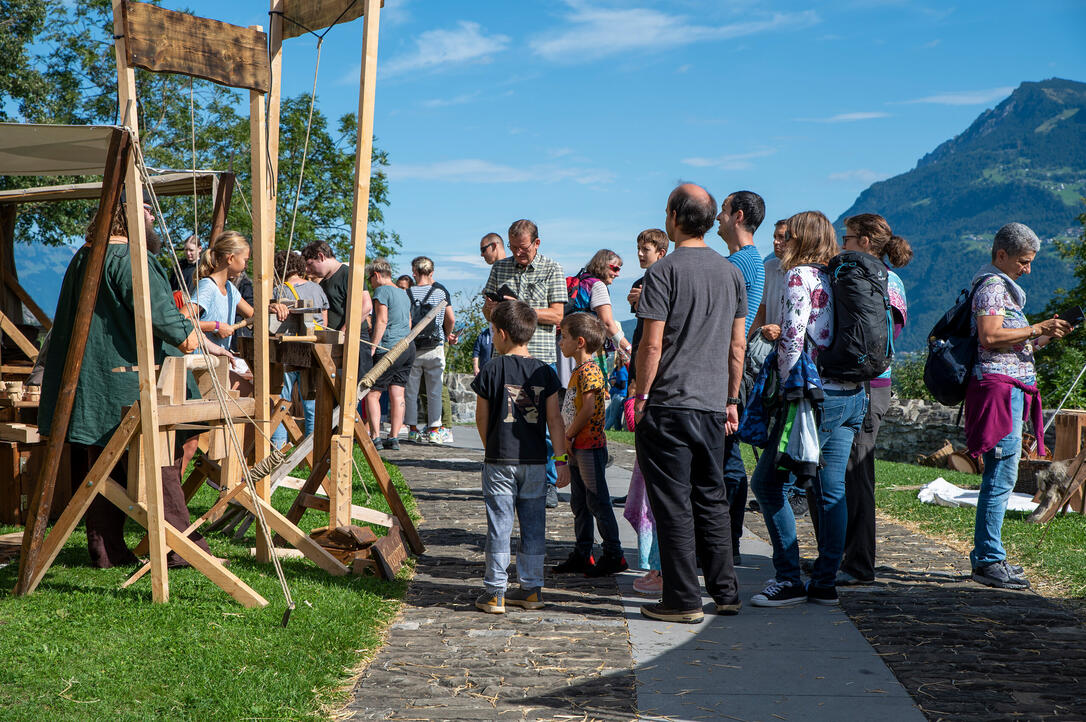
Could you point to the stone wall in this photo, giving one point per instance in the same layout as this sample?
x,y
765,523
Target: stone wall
x,y
914,428
462,397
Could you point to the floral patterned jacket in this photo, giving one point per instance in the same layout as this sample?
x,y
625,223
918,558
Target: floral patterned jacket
x,y
807,310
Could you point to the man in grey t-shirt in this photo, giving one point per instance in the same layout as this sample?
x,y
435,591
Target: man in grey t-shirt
x,y
694,305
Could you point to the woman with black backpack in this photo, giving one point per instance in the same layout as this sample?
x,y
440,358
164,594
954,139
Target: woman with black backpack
x,y
807,328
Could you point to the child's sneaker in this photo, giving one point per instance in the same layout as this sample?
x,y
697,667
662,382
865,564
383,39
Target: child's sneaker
x,y
415,436
607,565
576,563
434,437
491,603
526,598
445,434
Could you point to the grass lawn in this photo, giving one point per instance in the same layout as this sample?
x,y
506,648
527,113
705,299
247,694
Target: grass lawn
x,y
1060,558
82,648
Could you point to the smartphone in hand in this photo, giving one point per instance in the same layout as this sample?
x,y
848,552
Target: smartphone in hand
x,y
1073,315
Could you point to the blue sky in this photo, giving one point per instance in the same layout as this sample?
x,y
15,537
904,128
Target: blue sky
x,y
583,114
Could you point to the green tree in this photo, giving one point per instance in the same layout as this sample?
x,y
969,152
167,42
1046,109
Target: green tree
x,y
470,322
73,43
1059,363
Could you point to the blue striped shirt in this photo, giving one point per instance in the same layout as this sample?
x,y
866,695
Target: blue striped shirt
x,y
750,264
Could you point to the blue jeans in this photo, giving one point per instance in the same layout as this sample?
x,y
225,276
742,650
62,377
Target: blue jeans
x,y
842,415
279,436
514,489
996,485
591,501
614,416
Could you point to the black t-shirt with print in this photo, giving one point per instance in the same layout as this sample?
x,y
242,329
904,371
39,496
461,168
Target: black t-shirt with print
x,y
517,388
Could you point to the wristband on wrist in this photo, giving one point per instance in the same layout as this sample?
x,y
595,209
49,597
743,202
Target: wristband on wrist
x,y
216,326
560,463
563,458
733,401
641,397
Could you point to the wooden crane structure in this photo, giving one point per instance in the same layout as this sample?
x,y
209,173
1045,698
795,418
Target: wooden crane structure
x,y
160,40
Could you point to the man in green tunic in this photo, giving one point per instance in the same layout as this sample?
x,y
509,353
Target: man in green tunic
x,y
109,382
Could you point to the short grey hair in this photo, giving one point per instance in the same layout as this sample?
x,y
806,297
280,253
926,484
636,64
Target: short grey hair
x,y
1015,239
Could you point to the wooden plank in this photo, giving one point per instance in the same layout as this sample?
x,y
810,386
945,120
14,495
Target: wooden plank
x,y
27,300
141,303
164,41
389,553
38,514
303,16
21,433
196,411
358,513
80,501
343,447
24,344
294,536
187,549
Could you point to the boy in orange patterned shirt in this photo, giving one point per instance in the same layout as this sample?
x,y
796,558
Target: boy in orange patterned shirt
x,y
583,414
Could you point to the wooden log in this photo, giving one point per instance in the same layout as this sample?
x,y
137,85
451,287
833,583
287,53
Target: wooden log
x,y
38,514
164,41
303,16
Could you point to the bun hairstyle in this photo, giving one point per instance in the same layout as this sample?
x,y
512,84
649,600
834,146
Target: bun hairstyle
x,y
226,243
883,241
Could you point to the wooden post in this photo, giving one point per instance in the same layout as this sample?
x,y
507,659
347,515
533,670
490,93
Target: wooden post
x,y
11,303
141,296
223,193
275,55
38,514
343,446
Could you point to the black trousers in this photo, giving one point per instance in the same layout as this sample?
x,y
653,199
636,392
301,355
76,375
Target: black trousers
x,y
681,455
859,558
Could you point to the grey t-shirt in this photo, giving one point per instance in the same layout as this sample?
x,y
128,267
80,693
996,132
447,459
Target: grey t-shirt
x,y
399,312
698,294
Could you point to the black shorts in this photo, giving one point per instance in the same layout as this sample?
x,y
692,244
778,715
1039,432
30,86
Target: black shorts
x,y
397,373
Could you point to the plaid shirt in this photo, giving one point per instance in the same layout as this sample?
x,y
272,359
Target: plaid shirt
x,y
539,285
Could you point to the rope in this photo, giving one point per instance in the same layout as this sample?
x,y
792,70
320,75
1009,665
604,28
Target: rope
x,y
311,31
220,393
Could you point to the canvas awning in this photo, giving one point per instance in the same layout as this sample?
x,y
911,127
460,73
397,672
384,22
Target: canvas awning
x,y
29,149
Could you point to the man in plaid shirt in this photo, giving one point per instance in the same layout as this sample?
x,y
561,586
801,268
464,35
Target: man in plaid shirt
x,y
536,280
539,282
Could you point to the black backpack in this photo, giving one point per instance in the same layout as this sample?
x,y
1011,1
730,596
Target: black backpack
x,y
863,324
431,336
952,350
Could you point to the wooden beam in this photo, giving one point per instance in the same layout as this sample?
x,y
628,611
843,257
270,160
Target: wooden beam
x,y
275,59
196,411
10,303
141,302
263,206
27,300
295,536
17,336
38,514
187,549
343,448
164,41
223,194
30,577
304,16
391,495
358,513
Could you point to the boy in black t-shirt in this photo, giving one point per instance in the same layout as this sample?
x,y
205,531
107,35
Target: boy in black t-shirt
x,y
517,402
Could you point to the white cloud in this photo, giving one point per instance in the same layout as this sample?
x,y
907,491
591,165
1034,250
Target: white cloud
x,y
738,161
846,117
476,170
964,97
859,175
446,102
465,43
593,33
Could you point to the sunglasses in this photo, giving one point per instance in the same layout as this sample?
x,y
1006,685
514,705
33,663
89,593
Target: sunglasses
x,y
615,269
487,247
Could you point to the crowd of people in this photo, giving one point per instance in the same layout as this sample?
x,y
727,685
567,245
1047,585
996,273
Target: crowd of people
x,y
727,349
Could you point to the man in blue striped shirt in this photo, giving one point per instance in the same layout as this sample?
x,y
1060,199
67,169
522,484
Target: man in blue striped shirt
x,y
740,215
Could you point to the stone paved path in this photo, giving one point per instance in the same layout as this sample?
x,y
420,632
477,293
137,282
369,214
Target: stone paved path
x,y
445,660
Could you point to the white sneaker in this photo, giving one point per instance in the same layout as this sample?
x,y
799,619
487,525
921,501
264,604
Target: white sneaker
x,y
446,435
434,437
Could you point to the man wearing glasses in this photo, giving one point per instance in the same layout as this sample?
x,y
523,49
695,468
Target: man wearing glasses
x,y
539,282
492,248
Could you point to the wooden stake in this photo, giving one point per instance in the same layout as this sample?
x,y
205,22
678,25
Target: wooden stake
x,y
38,514
145,342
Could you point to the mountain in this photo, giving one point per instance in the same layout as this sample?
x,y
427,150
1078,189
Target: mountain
x,y
1024,160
